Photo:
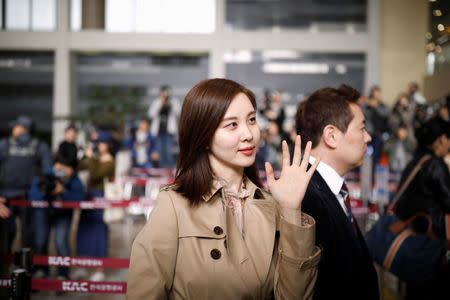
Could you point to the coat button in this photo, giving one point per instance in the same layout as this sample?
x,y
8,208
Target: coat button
x,y
215,253
218,230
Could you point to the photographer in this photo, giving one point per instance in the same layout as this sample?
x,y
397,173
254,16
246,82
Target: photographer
x,y
59,183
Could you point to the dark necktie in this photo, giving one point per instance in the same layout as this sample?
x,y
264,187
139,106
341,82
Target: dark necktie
x,y
345,193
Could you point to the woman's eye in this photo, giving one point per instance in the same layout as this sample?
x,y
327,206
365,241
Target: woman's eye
x,y
232,125
252,120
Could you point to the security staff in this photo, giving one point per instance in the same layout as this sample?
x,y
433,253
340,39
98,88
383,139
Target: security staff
x,y
21,158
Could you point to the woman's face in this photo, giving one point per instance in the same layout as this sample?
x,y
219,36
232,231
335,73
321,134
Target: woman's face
x,y
236,140
103,148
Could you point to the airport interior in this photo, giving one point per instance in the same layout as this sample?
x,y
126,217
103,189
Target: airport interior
x,y
76,75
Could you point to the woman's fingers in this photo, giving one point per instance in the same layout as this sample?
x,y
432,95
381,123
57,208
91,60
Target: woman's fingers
x,y
306,155
297,151
286,155
270,177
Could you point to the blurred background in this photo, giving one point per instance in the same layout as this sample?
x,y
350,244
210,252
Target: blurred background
x,y
94,71
58,57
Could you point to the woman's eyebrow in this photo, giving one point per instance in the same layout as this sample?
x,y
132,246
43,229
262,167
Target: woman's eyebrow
x,y
235,118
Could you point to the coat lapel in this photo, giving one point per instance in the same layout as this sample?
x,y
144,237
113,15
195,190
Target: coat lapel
x,y
252,255
260,220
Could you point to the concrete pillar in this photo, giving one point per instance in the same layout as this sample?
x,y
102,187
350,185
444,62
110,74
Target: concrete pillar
x,y
373,51
93,14
402,46
216,62
62,78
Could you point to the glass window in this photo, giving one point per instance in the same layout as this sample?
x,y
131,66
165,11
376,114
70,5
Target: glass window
x,y
43,15
438,36
17,14
134,73
119,15
317,15
293,73
160,16
26,87
75,15
36,15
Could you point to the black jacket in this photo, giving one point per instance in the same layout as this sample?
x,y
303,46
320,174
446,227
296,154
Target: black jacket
x,y
346,270
428,192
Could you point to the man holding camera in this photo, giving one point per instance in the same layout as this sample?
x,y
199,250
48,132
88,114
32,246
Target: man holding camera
x,y
60,183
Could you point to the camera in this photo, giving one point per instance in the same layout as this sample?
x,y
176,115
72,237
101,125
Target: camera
x,y
47,184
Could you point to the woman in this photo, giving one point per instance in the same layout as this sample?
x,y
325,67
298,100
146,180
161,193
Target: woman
x,y
92,237
428,192
215,233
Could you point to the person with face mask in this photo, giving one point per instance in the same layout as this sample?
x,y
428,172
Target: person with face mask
x,y
142,146
58,183
21,158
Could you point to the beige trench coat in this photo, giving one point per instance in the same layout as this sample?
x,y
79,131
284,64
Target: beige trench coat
x,y
199,253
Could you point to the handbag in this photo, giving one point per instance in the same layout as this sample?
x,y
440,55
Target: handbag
x,y
395,246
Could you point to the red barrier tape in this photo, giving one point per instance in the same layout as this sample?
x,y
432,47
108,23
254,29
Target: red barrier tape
x,y
98,203
43,284
78,286
72,261
153,171
144,181
87,262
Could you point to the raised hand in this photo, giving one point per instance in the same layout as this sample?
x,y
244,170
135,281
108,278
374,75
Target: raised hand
x,y
289,190
4,210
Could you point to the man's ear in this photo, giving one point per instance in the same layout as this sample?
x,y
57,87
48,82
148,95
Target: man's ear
x,y
330,135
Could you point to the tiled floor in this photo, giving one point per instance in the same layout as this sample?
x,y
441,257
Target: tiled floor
x,y
121,236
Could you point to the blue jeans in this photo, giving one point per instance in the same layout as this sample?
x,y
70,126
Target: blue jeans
x,y
165,150
42,223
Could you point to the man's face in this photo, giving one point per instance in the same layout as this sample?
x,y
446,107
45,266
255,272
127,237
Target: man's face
x,y
377,94
143,126
70,135
352,145
67,170
18,130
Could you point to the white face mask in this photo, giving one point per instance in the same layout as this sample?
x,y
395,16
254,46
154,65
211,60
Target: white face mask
x,y
141,136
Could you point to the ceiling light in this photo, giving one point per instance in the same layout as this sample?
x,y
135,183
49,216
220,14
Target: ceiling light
x,y
441,27
432,0
280,54
296,68
437,12
340,69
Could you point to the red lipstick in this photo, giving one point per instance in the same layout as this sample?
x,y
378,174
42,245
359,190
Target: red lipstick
x,y
247,151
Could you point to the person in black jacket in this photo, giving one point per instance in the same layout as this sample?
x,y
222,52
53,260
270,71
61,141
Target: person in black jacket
x,y
428,192
331,119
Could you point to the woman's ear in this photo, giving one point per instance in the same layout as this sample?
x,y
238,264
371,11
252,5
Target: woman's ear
x,y
330,136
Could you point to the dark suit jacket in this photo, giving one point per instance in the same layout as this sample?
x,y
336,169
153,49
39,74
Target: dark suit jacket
x,y
346,270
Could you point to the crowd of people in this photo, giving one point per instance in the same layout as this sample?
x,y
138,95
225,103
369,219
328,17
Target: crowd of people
x,y
221,138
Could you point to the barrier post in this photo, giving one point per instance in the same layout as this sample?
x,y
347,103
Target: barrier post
x,y
4,249
20,285
24,259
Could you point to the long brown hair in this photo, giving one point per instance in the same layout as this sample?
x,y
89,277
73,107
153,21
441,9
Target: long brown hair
x,y
202,111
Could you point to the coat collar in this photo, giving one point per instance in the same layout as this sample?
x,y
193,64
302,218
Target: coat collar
x,y
217,185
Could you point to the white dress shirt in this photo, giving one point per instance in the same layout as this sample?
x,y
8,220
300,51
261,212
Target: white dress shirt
x,y
332,179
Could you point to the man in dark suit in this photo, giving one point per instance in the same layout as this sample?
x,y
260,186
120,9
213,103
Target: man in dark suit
x,y
335,124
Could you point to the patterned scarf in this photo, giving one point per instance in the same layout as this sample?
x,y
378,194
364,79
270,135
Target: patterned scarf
x,y
235,200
